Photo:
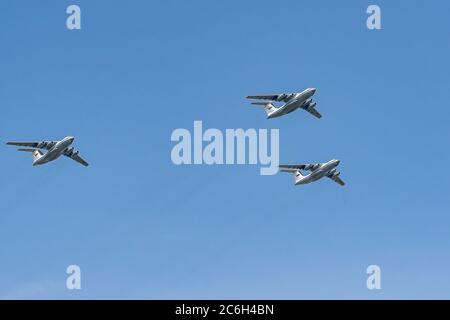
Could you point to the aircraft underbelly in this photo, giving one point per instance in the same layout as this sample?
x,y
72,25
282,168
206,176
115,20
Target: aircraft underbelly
x,y
316,175
52,155
292,106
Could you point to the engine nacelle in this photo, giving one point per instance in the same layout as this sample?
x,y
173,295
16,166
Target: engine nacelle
x,y
75,153
312,167
332,172
69,151
310,106
281,97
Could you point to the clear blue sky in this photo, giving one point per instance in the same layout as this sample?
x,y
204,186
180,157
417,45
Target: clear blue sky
x,y
141,227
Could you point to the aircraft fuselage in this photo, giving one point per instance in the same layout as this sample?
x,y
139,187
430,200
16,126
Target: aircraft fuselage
x,y
296,101
322,171
55,152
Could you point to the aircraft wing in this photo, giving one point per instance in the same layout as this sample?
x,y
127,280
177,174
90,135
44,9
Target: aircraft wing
x,y
314,112
79,159
336,179
47,145
70,153
273,97
290,167
294,167
310,107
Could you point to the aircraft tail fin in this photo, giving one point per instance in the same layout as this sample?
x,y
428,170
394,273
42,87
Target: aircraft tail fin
x,y
268,106
37,154
295,172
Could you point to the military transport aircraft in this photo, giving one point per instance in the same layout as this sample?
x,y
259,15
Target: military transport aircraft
x,y
55,149
292,102
318,171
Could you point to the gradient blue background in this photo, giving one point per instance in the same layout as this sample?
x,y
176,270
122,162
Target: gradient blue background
x,y
141,227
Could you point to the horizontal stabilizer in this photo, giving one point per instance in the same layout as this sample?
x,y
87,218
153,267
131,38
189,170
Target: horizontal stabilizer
x,y
269,108
27,150
291,170
37,154
262,104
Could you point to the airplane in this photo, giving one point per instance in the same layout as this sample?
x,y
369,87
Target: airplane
x,y
292,102
55,150
318,171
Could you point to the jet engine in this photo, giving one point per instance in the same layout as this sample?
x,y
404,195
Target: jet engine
x,y
311,166
69,151
336,174
310,106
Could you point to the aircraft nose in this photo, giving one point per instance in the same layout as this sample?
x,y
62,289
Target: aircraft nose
x,y
313,90
337,162
71,139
